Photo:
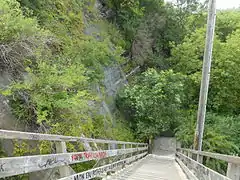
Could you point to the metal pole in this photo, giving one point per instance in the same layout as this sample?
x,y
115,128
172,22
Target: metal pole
x,y
205,75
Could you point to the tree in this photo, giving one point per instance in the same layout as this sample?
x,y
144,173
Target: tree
x,y
227,22
150,27
126,14
153,103
221,127
220,136
187,59
225,79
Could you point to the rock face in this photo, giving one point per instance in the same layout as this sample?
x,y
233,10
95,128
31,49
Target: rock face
x,y
114,77
164,146
6,119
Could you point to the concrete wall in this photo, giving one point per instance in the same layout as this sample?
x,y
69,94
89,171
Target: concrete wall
x,y
164,146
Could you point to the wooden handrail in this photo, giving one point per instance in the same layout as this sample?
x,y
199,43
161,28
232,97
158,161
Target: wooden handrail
x,y
19,165
226,158
6,134
92,173
11,166
201,171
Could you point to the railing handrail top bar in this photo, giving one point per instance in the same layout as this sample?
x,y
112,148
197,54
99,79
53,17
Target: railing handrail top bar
x,y
103,167
32,163
224,157
73,153
9,134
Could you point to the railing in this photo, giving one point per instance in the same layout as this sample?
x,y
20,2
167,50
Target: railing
x,y
192,160
124,152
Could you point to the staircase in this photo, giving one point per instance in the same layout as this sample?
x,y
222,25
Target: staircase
x,y
116,160
153,168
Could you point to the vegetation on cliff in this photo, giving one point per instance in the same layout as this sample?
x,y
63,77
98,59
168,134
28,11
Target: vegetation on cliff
x,y
55,66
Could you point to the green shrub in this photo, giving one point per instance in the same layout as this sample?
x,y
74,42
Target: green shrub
x,y
13,24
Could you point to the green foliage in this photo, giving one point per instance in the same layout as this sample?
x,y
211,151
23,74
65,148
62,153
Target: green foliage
x,y
187,58
45,147
127,14
60,17
21,148
221,127
220,136
168,36
54,89
225,76
153,103
150,27
219,133
60,70
2,153
227,23
115,36
122,132
56,92
20,37
84,166
13,24
62,64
